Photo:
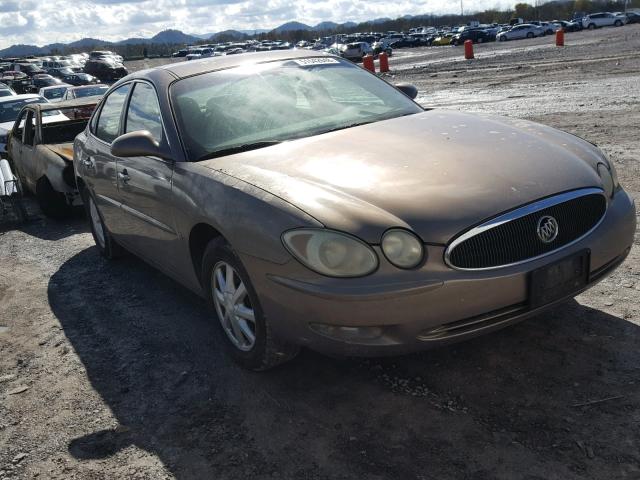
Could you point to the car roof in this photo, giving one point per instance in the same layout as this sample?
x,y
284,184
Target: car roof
x,y
51,87
195,67
77,103
23,96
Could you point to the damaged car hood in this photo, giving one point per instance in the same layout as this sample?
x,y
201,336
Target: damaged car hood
x,y
436,173
65,150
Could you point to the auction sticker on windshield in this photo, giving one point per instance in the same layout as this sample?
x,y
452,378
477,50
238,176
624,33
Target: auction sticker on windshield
x,y
315,61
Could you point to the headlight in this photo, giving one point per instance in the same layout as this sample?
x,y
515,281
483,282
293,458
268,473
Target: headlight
x,y
331,253
402,248
609,178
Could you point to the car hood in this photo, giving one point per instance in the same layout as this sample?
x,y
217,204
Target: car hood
x,y
65,150
436,173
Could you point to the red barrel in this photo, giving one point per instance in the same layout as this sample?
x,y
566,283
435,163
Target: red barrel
x,y
468,49
560,37
384,62
367,62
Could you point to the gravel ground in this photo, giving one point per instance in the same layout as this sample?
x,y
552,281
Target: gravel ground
x,y
111,370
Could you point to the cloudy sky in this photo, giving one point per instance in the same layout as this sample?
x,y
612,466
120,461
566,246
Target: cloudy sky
x,y
46,21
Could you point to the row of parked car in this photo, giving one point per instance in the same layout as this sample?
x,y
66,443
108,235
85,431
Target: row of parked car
x,y
355,46
30,75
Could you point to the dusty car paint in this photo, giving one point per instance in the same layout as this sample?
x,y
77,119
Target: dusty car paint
x,y
436,173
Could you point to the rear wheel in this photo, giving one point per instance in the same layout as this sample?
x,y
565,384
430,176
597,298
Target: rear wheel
x,y
53,204
618,23
530,35
107,246
248,336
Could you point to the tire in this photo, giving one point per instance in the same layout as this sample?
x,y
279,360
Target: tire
x,y
503,39
592,26
248,337
530,35
618,23
53,204
107,246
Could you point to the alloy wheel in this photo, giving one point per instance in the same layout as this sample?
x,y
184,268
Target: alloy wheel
x,y
233,306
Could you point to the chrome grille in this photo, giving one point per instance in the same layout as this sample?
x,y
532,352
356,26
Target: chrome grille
x,y
513,237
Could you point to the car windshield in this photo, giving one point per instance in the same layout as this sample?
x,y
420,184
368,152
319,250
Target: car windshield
x,y
90,91
9,110
278,101
54,93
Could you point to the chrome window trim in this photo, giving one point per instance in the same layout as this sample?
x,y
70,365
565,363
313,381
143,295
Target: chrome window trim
x,y
519,213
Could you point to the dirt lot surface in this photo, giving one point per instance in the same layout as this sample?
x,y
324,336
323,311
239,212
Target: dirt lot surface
x,y
111,370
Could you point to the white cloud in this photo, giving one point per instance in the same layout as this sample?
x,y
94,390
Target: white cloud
x,y
31,22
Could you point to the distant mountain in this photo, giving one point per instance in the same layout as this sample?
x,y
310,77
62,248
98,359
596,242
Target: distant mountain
x,y
173,37
326,26
86,43
291,26
257,31
227,35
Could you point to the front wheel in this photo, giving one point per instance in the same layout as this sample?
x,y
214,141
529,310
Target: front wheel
x,y
618,23
530,35
248,336
592,26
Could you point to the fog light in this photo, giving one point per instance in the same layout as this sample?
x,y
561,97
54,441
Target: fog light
x,y
347,333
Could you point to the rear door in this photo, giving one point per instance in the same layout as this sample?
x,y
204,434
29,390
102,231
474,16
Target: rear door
x,y
96,164
145,184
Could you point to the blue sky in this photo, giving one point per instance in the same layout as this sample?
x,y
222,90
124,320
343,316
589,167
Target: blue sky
x,y
41,22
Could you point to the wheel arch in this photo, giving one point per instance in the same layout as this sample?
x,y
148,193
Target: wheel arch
x,y
200,236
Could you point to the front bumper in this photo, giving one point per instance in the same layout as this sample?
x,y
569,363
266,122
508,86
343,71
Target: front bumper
x,y
394,311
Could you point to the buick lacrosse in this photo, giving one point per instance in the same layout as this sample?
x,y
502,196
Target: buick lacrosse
x,y
313,204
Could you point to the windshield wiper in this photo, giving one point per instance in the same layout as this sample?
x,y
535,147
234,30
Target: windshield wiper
x,y
239,149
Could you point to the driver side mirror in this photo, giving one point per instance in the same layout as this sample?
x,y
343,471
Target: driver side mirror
x,y
137,144
409,90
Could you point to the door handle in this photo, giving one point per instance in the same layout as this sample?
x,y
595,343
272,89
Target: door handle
x,y
88,163
124,176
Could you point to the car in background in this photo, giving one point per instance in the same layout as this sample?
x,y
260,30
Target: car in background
x,y
355,51
604,19
380,46
54,93
18,81
85,91
566,26
547,27
518,32
60,72
442,40
6,91
78,79
106,69
198,53
633,17
44,80
29,69
476,35
299,195
10,108
41,149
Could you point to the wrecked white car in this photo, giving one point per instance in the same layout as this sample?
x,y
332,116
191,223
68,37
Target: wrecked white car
x,y
40,147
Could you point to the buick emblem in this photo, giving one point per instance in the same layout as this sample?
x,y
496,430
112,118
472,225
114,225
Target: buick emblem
x,y
547,229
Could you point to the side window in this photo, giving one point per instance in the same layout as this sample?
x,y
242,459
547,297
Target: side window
x,y
144,111
29,130
19,126
108,126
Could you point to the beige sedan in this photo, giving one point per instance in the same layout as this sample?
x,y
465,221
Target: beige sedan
x,y
313,204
